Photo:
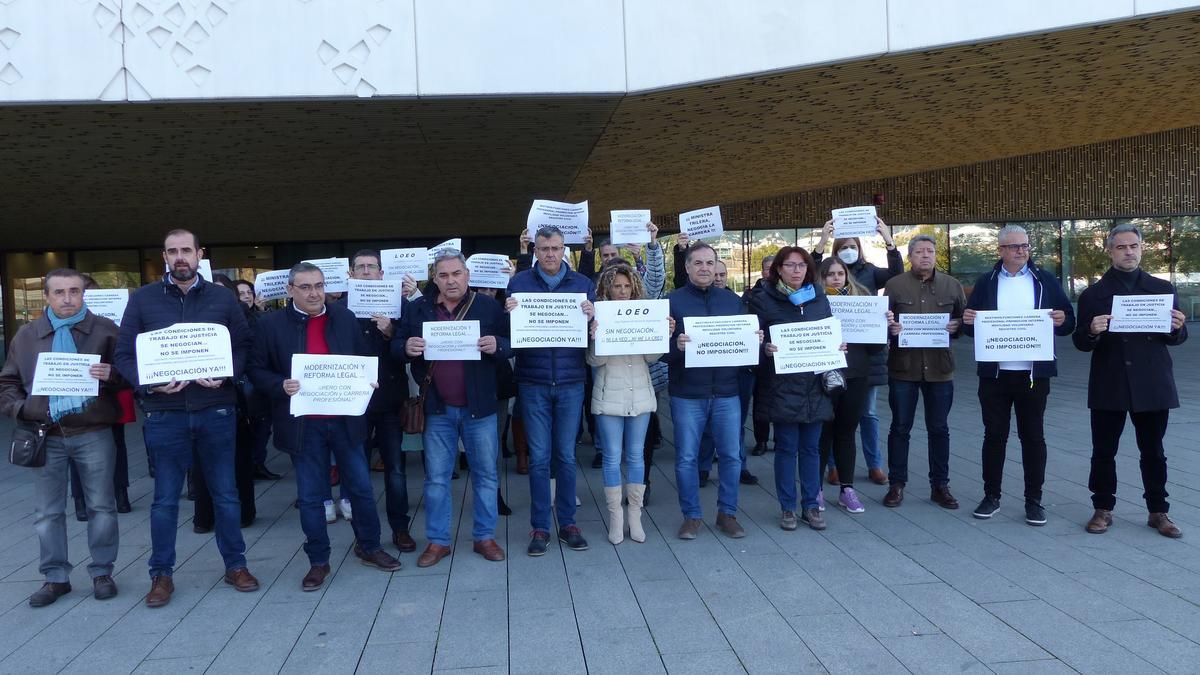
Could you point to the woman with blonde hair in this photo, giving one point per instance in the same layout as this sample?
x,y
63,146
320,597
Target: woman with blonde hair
x,y
837,435
622,399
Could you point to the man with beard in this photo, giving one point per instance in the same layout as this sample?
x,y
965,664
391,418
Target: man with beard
x,y
194,416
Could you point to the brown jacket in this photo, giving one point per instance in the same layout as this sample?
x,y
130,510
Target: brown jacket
x,y
93,335
940,294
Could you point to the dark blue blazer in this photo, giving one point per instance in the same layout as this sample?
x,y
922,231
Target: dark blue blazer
x,y
282,334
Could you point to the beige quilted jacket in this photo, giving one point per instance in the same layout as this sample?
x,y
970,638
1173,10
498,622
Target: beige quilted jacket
x,y
621,384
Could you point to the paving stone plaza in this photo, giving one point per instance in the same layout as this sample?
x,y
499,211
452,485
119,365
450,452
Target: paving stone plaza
x,y
916,589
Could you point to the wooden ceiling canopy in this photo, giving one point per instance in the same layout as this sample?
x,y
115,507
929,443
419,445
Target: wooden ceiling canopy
x,y
262,171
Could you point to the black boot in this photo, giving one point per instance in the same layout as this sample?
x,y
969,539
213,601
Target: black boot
x,y
123,505
80,510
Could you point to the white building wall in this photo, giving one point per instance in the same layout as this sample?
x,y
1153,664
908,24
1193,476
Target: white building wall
x,y
135,50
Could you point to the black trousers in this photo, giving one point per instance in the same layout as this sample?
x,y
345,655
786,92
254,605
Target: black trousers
x,y
998,397
837,435
1149,428
243,465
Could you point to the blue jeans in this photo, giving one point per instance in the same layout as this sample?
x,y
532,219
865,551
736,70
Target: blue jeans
x,y
902,397
797,443
691,416
707,445
171,437
320,438
868,431
389,438
628,433
482,444
551,413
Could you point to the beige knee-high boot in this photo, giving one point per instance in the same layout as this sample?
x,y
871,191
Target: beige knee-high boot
x,y
636,492
616,514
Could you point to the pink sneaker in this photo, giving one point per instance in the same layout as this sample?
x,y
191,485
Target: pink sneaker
x,y
849,500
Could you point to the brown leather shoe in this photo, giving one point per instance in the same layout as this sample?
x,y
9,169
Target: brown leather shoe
x,y
490,550
730,526
1162,523
894,496
404,541
832,478
432,555
380,559
1100,522
242,580
942,497
161,588
315,578
877,476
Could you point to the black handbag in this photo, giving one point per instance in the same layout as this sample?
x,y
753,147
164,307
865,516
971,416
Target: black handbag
x,y
28,444
833,382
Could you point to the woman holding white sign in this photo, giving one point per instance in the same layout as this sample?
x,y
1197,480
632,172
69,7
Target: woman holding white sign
x,y
837,436
622,399
797,403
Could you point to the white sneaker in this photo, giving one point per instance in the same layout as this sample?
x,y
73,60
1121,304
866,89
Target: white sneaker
x,y
577,501
330,514
344,507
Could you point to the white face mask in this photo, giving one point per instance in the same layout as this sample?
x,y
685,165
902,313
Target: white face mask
x,y
848,255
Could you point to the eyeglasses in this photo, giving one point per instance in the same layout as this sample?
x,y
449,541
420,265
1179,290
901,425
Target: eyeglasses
x,y
794,266
1015,247
309,288
366,267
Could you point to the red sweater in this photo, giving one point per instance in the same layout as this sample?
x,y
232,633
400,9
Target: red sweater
x,y
316,343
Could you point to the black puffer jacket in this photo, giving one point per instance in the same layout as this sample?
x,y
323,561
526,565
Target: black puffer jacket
x,y
794,398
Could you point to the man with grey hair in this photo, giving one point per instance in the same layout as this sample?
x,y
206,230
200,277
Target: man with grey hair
x,y
460,404
309,325
1015,283
927,372
1131,374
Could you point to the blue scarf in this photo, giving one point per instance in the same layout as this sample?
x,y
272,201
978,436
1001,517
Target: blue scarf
x,y
555,280
64,343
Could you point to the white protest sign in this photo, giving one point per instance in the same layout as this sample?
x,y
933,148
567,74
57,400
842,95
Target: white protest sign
x,y
548,320
205,269
396,262
1026,335
59,374
271,285
1141,313
333,384
632,327
719,341
702,223
489,270
808,346
854,221
106,302
572,219
448,245
336,271
863,317
629,227
184,351
451,340
368,297
923,330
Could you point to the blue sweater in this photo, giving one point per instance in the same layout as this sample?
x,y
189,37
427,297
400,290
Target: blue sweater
x,y
689,300
1047,294
551,365
282,334
162,305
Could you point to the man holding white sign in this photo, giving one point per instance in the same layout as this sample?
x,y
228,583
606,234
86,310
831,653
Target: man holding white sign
x,y
309,325
708,392
1014,312
922,371
78,419
1131,374
551,381
193,417
384,427
459,399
